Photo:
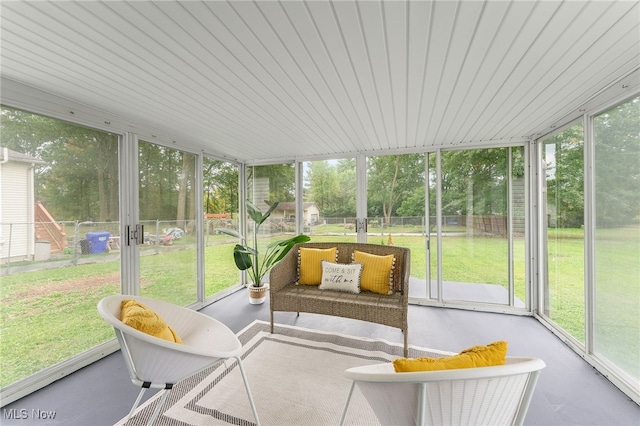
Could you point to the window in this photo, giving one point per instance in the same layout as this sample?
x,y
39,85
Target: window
x,y
329,195
60,240
221,211
563,225
617,238
265,186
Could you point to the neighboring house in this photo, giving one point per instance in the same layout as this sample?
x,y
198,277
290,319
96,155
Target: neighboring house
x,y
287,211
17,230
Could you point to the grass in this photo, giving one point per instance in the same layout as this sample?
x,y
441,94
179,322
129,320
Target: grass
x,y
50,315
565,284
617,298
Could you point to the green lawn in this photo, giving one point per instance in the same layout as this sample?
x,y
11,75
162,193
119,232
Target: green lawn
x,y
50,315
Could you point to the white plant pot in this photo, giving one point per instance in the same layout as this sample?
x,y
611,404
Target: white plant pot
x,y
257,295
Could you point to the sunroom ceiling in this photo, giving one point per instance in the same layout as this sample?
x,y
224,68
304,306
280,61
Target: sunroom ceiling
x,y
267,80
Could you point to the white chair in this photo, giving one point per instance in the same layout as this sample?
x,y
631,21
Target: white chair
x,y
472,396
156,363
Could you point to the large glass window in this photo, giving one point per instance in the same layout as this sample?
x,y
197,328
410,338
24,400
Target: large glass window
x,y
265,186
617,237
167,203
221,211
329,194
59,240
563,225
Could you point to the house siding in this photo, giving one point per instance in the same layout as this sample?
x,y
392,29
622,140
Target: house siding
x,y
16,199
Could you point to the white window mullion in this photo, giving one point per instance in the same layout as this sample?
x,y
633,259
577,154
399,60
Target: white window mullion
x,y
510,272
589,237
242,208
439,223
299,182
200,256
361,198
129,214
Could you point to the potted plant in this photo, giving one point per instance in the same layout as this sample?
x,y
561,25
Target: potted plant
x,y
249,258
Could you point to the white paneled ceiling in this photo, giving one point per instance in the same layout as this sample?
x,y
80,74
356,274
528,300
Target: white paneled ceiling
x,y
269,80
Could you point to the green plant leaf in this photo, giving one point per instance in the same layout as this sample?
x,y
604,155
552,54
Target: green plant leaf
x,y
278,249
230,232
242,257
268,212
254,213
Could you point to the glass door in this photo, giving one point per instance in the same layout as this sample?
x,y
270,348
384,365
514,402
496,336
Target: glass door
x,y
167,206
396,210
480,227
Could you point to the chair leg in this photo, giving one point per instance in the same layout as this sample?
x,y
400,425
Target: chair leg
x,y
422,404
135,404
154,416
346,405
246,386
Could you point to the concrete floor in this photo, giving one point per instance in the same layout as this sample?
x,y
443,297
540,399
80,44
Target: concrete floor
x,y
569,392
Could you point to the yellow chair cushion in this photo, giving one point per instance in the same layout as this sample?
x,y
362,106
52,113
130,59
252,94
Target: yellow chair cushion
x,y
310,264
142,318
377,271
478,356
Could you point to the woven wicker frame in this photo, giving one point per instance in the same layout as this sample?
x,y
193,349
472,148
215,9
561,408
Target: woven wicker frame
x,y
390,310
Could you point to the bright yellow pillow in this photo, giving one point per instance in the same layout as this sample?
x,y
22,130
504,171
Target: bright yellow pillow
x,y
142,318
310,264
478,356
377,271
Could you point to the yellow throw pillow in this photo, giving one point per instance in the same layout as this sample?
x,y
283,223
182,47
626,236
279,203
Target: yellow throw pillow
x,y
310,264
377,271
142,318
478,356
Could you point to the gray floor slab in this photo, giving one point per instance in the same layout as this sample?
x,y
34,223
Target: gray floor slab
x,y
570,391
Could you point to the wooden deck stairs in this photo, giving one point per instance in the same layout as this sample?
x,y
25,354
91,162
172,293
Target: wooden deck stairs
x,y
47,229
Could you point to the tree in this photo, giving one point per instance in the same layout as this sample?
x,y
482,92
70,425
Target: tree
x,y
80,178
564,164
279,178
161,170
393,179
321,182
186,194
617,164
330,184
345,198
220,186
474,182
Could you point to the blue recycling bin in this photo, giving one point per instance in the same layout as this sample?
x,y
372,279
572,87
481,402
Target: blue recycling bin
x,y
98,241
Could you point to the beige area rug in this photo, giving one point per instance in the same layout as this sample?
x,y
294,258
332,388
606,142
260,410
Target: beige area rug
x,y
296,378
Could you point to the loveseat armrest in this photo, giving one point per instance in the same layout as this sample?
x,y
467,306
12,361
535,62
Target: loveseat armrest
x,y
285,271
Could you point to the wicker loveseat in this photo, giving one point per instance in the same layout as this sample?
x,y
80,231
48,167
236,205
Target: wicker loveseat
x,y
390,310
